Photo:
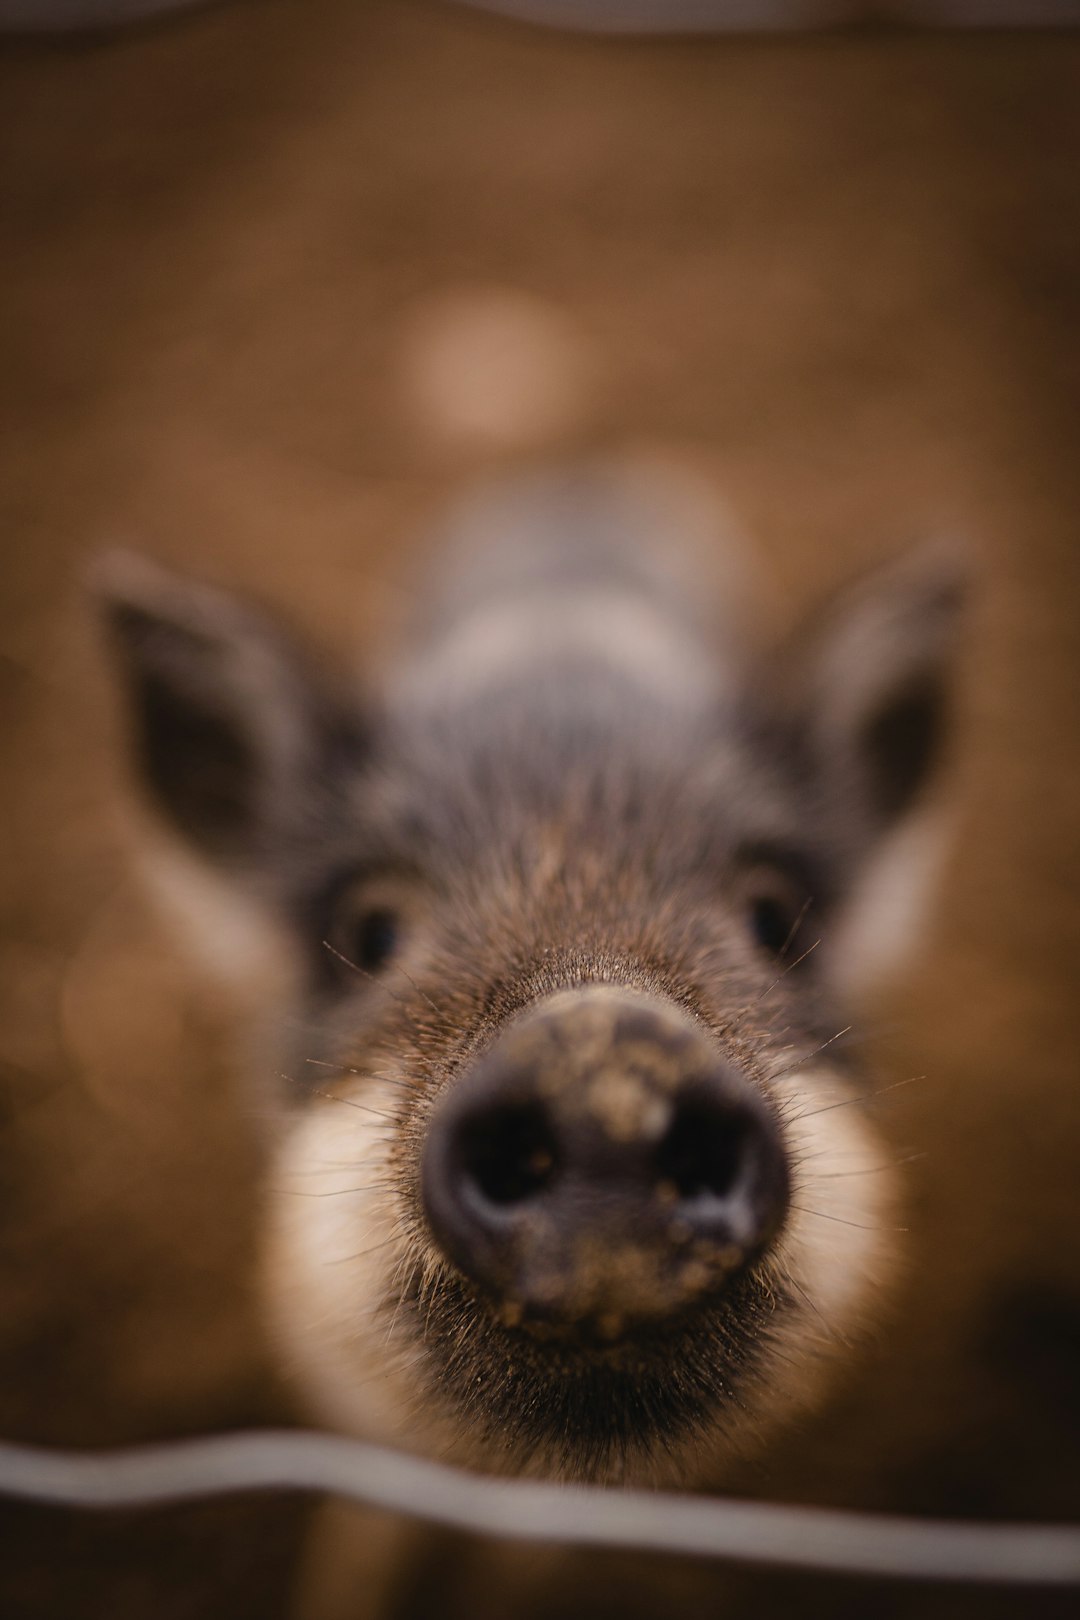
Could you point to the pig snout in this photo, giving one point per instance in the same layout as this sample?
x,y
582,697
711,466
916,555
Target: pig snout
x,y
603,1162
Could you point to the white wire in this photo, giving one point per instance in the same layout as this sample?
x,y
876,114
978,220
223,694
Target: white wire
x,y
802,1538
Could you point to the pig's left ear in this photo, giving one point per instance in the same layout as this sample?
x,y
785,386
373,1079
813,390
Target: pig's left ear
x,y
229,721
870,684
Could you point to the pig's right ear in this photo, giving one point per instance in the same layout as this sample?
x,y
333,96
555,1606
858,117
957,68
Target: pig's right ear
x,y
869,685
229,722
866,690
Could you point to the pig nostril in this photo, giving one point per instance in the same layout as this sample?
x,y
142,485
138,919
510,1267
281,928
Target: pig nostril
x,y
704,1151
509,1153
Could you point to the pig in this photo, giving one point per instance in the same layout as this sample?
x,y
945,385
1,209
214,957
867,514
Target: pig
x,y
572,1176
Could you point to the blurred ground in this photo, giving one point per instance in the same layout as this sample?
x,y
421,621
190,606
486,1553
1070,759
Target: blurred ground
x,y
277,281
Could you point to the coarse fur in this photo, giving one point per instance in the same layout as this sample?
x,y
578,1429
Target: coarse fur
x,y
573,779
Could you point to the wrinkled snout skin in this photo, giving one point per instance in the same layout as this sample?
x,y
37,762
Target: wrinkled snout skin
x,y
582,1186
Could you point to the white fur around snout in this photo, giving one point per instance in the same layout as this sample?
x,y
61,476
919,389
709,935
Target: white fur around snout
x,y
839,1243
332,1251
335,1257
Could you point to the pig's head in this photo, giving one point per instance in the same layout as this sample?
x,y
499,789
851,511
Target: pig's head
x,y
584,1186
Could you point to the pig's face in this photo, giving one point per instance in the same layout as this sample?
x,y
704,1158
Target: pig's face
x,y
584,1187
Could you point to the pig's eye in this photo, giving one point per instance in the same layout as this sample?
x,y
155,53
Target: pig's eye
x,y
365,932
777,911
374,939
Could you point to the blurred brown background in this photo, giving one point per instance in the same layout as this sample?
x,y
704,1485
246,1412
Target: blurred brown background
x,y
278,280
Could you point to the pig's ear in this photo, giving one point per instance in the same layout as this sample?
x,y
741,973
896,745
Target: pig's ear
x,y
869,688
229,722
872,682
